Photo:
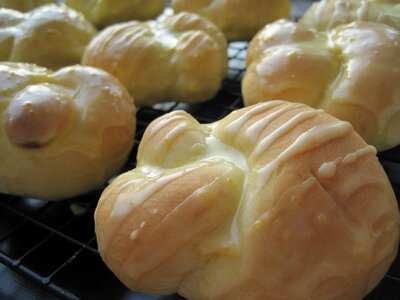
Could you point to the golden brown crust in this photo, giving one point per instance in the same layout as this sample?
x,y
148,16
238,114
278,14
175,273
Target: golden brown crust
x,y
239,19
352,72
182,58
51,36
278,201
61,133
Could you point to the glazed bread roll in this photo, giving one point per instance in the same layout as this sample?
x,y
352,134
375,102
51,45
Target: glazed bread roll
x,y
352,72
51,36
181,57
106,12
275,201
238,19
23,5
328,14
62,133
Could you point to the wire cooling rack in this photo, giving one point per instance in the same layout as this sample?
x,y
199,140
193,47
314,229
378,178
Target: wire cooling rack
x,y
53,245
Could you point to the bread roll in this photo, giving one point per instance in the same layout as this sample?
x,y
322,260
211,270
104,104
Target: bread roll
x,y
327,14
23,5
51,36
238,19
62,133
275,201
352,72
181,57
107,12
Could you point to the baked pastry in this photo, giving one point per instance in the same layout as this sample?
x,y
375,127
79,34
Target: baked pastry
x,y
275,201
23,5
352,72
238,19
51,36
62,133
107,12
181,57
327,14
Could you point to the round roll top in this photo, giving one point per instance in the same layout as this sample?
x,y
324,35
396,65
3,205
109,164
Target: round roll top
x,y
328,14
181,57
51,36
251,208
37,115
62,133
351,72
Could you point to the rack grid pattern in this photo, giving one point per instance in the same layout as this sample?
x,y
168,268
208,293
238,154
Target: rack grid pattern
x,y
53,243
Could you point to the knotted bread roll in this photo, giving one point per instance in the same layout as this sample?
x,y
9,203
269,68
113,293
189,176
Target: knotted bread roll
x,y
181,57
238,19
352,72
275,201
107,12
23,5
62,133
327,14
51,36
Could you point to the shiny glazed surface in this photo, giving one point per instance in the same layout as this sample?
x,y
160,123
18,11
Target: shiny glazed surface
x,y
352,72
61,133
251,207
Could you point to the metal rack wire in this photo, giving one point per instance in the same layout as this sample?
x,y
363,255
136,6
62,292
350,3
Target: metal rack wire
x,y
53,243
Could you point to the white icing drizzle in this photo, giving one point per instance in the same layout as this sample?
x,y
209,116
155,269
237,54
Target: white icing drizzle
x,y
234,126
254,131
339,13
194,43
352,157
327,170
362,11
319,10
128,201
288,126
310,139
176,131
152,171
235,226
121,207
131,182
177,115
124,35
217,150
197,194
135,234
166,38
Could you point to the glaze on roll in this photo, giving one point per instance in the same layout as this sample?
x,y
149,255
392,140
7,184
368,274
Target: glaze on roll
x,y
328,14
238,19
106,12
275,201
63,133
51,36
352,72
181,58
